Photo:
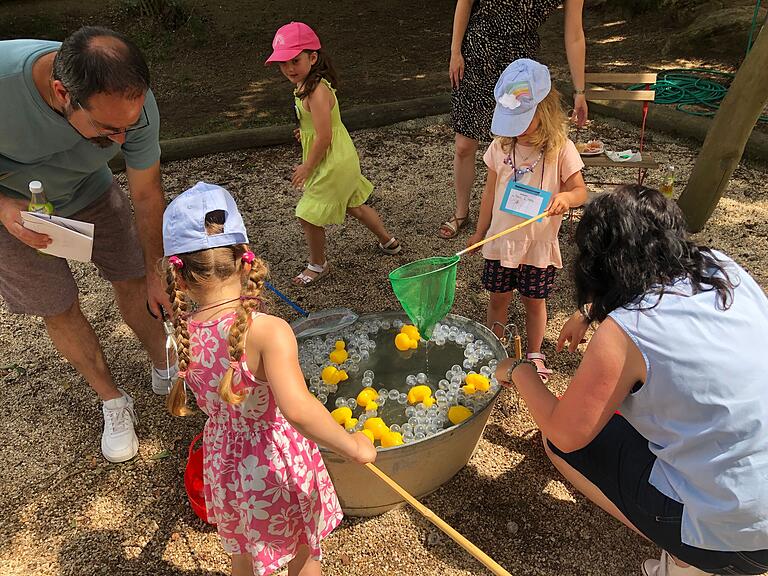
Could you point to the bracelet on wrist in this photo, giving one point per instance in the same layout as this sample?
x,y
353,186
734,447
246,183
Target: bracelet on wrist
x,y
579,91
584,310
517,363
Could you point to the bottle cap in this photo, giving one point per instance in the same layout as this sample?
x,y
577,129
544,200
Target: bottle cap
x,y
35,186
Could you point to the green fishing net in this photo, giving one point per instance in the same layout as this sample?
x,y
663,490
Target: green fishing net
x,y
425,289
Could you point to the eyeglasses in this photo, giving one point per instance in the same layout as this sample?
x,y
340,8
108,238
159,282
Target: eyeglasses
x,y
143,122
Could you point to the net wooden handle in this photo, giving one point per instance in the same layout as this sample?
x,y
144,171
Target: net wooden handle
x,y
481,556
507,231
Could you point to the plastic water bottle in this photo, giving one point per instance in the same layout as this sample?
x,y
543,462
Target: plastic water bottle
x,y
668,181
37,200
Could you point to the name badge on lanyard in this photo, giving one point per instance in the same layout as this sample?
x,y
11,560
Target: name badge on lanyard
x,y
523,200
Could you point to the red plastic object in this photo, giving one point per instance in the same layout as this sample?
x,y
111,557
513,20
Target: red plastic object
x,y
193,480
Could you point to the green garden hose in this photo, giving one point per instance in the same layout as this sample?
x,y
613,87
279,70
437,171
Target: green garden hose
x,y
696,91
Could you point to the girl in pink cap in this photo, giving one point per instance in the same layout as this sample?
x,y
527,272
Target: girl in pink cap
x,y
330,168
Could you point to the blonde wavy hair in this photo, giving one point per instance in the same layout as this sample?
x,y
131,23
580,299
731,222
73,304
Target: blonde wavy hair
x,y
207,268
552,131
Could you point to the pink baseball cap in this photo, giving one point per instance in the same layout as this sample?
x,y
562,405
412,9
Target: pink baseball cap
x,y
290,40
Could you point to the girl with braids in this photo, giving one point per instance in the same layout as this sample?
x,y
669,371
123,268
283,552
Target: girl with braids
x,y
680,351
330,168
266,487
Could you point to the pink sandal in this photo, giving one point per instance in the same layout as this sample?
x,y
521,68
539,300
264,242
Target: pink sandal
x,y
538,358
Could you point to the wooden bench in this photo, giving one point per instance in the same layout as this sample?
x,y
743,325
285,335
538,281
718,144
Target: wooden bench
x,y
601,87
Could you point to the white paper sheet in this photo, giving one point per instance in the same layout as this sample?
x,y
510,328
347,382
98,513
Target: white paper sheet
x,y
71,239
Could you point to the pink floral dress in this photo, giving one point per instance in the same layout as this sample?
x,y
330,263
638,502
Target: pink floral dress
x,y
266,486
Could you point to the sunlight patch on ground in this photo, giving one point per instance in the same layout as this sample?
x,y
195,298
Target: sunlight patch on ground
x,y
108,513
612,24
30,564
611,40
558,490
693,63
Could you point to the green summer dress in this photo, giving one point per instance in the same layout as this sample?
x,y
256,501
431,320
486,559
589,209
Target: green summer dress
x,y
336,183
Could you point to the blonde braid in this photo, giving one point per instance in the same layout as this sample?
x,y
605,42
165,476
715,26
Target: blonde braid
x,y
252,276
177,399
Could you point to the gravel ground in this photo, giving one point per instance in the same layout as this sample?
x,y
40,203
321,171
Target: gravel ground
x,y
64,510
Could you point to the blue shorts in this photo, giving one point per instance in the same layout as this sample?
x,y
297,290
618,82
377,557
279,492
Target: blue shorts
x,y
618,461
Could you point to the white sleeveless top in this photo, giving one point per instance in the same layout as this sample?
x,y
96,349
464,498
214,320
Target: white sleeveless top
x,y
704,408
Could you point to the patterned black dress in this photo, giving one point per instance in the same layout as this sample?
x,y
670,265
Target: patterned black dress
x,y
498,32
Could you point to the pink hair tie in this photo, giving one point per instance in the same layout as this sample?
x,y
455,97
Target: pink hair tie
x,y
176,262
248,257
181,374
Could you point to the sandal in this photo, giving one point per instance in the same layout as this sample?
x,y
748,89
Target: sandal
x,y
541,368
305,279
391,247
451,227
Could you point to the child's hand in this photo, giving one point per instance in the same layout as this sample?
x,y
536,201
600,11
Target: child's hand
x,y
297,134
558,205
474,239
300,175
366,451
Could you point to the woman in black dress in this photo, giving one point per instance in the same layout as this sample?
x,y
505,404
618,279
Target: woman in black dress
x,y
487,36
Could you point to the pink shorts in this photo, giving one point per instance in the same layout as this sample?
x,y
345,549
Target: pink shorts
x,y
40,285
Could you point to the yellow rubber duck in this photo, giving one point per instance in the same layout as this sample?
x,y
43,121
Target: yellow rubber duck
x,y
332,375
480,382
366,396
411,331
408,338
350,424
342,415
376,426
457,414
339,354
371,406
368,434
421,393
389,439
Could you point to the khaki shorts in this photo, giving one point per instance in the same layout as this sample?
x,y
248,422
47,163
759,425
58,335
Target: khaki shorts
x,y
40,285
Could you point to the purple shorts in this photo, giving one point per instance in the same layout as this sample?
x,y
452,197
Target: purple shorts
x,y
530,281
41,285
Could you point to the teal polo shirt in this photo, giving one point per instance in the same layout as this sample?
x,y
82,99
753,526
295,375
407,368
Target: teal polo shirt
x,y
38,144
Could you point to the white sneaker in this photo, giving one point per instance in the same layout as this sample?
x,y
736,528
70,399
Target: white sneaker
x,y
119,442
667,567
162,386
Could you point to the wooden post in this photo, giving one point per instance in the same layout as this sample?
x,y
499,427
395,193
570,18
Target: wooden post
x,y
727,137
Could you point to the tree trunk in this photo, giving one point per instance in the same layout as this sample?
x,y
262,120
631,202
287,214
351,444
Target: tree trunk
x,y
727,137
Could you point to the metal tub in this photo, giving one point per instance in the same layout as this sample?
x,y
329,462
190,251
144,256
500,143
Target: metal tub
x,y
419,467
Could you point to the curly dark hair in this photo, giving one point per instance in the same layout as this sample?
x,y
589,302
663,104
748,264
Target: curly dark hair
x,y
323,68
634,241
